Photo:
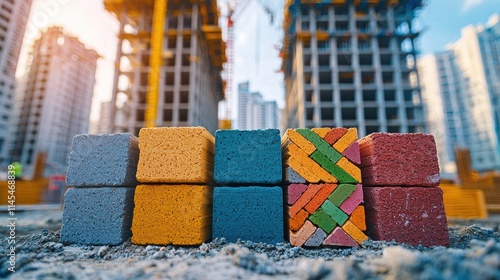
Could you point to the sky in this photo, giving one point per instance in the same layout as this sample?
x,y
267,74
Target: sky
x,y
256,39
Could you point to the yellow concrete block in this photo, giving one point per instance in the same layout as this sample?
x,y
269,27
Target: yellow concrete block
x,y
172,214
299,140
346,140
350,168
175,155
296,165
354,232
322,132
295,152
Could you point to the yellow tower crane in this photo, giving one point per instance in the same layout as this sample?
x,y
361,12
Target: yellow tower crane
x,y
155,62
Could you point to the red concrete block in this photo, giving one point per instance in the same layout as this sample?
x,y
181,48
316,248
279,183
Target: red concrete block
x,y
413,215
396,159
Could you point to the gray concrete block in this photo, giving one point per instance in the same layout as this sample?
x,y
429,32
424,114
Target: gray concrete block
x,y
97,216
103,160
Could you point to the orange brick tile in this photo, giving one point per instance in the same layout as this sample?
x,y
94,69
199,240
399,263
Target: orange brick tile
x,y
298,221
358,217
320,197
304,199
354,232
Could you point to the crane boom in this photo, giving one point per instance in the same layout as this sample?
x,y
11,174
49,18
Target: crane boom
x,y
155,62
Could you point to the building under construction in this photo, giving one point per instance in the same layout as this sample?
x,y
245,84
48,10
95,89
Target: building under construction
x,y
188,62
352,63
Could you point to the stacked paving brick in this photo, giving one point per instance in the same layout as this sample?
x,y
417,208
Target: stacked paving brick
x,y
248,201
173,205
324,193
402,198
98,208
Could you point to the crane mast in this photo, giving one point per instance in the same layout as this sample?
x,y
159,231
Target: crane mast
x,y
155,62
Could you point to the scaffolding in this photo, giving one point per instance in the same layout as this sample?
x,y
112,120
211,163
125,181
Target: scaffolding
x,y
182,43
292,8
352,63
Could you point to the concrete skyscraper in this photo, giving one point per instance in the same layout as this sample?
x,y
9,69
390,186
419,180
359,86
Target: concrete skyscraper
x,y
466,81
254,112
57,99
190,85
13,18
352,64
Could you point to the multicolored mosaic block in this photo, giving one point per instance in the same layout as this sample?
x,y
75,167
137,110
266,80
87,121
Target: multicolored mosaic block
x,y
321,155
326,215
325,197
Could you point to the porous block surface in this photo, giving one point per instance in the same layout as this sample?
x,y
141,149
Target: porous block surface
x,y
248,157
103,160
291,176
172,214
412,215
176,155
396,159
295,191
248,213
355,199
315,212
340,238
321,155
97,216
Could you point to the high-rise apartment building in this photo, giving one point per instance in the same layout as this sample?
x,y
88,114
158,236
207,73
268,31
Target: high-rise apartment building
x,y
254,112
104,117
57,99
13,18
468,87
190,86
352,64
103,123
444,96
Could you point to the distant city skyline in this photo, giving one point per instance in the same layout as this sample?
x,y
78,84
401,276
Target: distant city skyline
x,y
256,54
254,112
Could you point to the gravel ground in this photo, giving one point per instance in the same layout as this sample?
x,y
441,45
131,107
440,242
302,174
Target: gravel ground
x,y
474,253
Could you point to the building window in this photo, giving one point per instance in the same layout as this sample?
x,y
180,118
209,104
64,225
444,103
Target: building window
x,y
167,115
326,96
323,45
327,113
305,25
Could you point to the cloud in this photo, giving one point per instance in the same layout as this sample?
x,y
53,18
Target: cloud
x,y
469,4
